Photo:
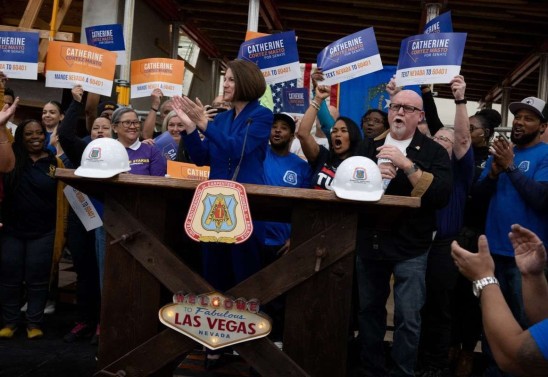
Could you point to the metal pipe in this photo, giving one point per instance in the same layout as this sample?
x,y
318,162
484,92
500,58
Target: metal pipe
x,y
175,40
253,15
129,10
53,23
504,105
432,11
543,77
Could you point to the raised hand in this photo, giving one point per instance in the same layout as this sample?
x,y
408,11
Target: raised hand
x,y
474,266
77,93
529,251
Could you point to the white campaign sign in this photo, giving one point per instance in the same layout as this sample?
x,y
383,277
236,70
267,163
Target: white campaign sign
x,y
84,208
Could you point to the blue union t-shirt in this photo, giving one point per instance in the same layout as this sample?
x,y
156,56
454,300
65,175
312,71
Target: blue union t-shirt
x,y
507,206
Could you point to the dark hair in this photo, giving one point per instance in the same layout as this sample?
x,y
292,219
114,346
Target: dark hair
x,y
354,135
489,119
9,92
56,104
21,153
248,79
382,114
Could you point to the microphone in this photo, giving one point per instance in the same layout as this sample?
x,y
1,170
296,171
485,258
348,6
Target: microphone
x,y
237,170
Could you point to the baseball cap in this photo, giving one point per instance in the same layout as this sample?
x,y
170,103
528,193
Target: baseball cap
x,y
106,105
534,104
287,119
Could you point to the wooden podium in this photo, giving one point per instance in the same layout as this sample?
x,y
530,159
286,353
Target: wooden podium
x,y
152,258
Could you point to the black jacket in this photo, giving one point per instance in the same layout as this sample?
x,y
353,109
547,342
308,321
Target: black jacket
x,y
409,234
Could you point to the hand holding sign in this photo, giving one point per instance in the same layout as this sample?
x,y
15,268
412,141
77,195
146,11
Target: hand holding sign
x,y
77,93
458,87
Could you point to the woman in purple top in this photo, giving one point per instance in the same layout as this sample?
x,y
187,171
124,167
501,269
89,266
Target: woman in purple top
x,y
144,159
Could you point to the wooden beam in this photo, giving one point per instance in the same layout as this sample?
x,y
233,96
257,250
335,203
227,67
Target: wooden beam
x,y
59,36
43,48
31,13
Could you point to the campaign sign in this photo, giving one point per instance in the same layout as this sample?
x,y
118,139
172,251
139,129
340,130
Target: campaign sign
x,y
108,37
184,170
295,101
69,64
167,145
83,207
349,57
440,24
215,320
276,55
430,58
19,54
219,212
149,74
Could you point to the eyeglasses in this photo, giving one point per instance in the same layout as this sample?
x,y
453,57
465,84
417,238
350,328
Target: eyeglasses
x,y
372,120
130,123
442,138
408,109
473,128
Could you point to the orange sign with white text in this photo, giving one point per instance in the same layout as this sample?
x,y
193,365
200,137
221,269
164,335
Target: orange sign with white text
x,y
69,64
183,170
149,74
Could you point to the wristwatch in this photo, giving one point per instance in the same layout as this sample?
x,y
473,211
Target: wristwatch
x,y
511,168
411,169
478,285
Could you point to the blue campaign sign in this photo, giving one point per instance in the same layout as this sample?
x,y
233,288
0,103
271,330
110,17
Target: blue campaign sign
x,y
276,55
440,24
167,145
430,58
352,56
19,54
108,37
295,100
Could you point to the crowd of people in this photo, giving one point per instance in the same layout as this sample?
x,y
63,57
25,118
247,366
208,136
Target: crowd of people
x,y
469,182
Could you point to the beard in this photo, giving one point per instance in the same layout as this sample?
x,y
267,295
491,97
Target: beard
x,y
525,138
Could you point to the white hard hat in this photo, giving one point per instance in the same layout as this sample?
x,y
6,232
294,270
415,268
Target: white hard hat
x,y
103,158
358,178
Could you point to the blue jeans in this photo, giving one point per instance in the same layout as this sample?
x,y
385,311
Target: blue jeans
x,y
25,260
409,295
509,277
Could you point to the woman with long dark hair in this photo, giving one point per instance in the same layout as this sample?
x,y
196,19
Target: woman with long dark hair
x,y
33,215
343,140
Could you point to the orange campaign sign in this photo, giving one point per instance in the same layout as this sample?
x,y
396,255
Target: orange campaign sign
x,y
149,74
183,170
69,64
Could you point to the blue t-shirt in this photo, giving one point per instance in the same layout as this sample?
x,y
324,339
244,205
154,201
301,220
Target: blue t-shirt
x,y
284,171
450,218
507,207
539,332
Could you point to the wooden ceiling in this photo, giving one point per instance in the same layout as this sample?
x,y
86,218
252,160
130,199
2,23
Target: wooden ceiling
x,y
505,37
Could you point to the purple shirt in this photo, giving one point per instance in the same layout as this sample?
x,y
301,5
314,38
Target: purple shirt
x,y
145,159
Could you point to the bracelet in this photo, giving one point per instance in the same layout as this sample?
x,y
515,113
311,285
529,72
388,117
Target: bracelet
x,y
461,101
153,109
315,105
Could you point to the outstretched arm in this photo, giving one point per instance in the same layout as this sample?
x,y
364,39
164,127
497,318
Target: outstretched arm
x,y
7,158
310,147
514,349
463,140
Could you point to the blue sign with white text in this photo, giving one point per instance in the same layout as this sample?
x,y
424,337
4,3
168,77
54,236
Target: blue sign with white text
x,y
430,58
352,56
276,55
440,24
295,100
108,37
19,54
